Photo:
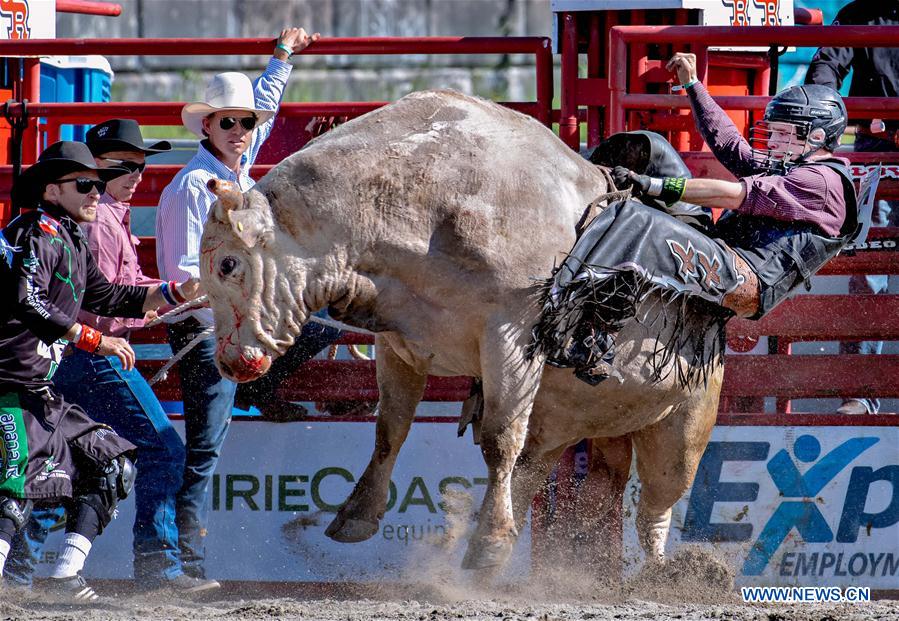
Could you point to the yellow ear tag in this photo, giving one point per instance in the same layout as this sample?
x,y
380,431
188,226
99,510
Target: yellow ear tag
x,y
240,226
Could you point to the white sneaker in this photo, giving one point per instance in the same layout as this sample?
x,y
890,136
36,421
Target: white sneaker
x,y
853,407
74,589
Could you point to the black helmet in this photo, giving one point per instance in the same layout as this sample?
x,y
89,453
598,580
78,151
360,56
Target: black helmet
x,y
810,107
784,137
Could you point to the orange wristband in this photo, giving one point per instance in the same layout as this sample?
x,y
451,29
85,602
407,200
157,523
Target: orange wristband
x,y
90,339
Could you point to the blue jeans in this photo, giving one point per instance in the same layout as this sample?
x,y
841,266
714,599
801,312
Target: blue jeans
x,y
886,213
208,401
124,401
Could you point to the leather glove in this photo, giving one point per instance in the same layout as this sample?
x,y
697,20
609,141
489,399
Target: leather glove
x,y
625,178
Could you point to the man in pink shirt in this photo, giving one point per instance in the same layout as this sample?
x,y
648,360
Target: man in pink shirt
x,y
792,208
119,397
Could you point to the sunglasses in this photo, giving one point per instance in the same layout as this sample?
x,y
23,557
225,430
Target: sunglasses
x,y
84,185
247,122
131,167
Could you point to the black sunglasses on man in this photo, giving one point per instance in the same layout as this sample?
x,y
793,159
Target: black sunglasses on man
x,y
247,122
83,185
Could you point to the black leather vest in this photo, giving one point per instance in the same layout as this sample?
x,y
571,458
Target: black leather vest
x,y
785,255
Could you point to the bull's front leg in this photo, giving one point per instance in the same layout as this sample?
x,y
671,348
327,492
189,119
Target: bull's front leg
x,y
510,382
401,389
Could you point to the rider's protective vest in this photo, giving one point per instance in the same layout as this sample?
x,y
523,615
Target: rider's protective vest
x,y
785,255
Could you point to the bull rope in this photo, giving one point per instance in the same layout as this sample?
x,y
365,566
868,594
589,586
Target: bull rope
x,y
163,372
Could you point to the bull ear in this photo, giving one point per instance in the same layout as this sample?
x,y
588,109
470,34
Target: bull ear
x,y
249,225
229,196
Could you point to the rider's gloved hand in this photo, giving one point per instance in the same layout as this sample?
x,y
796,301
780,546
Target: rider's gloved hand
x,y
625,178
669,189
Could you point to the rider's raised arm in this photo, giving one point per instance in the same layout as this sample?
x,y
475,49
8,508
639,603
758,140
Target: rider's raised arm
x,y
717,129
720,133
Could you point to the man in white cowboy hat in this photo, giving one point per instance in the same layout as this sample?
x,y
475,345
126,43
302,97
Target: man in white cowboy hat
x,y
233,121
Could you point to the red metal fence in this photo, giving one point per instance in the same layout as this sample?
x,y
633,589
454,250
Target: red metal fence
x,y
700,39
803,318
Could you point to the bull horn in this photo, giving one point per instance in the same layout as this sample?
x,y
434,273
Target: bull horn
x,y
229,195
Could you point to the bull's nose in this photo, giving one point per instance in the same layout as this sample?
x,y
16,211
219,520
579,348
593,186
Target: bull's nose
x,y
245,368
255,363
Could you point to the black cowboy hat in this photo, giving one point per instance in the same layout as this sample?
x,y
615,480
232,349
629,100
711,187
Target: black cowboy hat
x,y
121,135
57,161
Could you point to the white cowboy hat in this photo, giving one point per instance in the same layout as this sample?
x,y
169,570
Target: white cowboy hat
x,y
226,91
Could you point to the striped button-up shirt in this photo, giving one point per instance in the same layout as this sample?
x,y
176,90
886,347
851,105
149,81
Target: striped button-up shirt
x,y
185,202
114,247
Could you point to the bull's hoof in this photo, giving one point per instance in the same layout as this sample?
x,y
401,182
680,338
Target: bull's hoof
x,y
349,530
482,554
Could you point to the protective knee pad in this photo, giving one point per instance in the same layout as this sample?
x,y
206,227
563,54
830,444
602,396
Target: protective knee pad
x,y
16,510
112,483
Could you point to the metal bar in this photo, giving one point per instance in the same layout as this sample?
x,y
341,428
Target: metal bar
x,y
544,60
791,376
808,36
165,113
324,46
884,107
31,90
594,51
868,262
158,334
569,128
812,376
735,60
85,7
826,318
762,83
807,17
805,420
53,131
617,80
783,347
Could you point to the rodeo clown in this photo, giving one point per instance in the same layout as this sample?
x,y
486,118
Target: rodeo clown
x,y
51,451
792,209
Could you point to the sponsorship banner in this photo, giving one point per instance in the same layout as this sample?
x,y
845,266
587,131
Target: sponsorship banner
x,y
798,505
781,505
277,487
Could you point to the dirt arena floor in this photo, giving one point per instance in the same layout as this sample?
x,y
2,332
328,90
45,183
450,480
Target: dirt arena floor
x,y
680,592
415,610
161,607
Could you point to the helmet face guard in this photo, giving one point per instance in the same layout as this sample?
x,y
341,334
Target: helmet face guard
x,y
778,145
798,121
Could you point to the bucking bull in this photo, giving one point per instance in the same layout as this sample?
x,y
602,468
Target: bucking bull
x,y
428,222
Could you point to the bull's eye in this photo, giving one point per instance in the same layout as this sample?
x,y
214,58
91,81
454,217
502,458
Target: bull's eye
x,y
227,265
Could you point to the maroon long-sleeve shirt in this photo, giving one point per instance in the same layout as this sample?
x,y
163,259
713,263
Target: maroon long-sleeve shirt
x,y
812,194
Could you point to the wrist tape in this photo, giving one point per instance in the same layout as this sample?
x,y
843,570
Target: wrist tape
x,y
672,189
165,290
89,340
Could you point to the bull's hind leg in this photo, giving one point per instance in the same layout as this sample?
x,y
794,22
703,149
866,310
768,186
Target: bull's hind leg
x,y
401,389
668,455
510,382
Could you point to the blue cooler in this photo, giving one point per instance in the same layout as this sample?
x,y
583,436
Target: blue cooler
x,y
75,79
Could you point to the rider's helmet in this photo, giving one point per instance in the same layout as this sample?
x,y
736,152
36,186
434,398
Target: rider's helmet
x,y
798,121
